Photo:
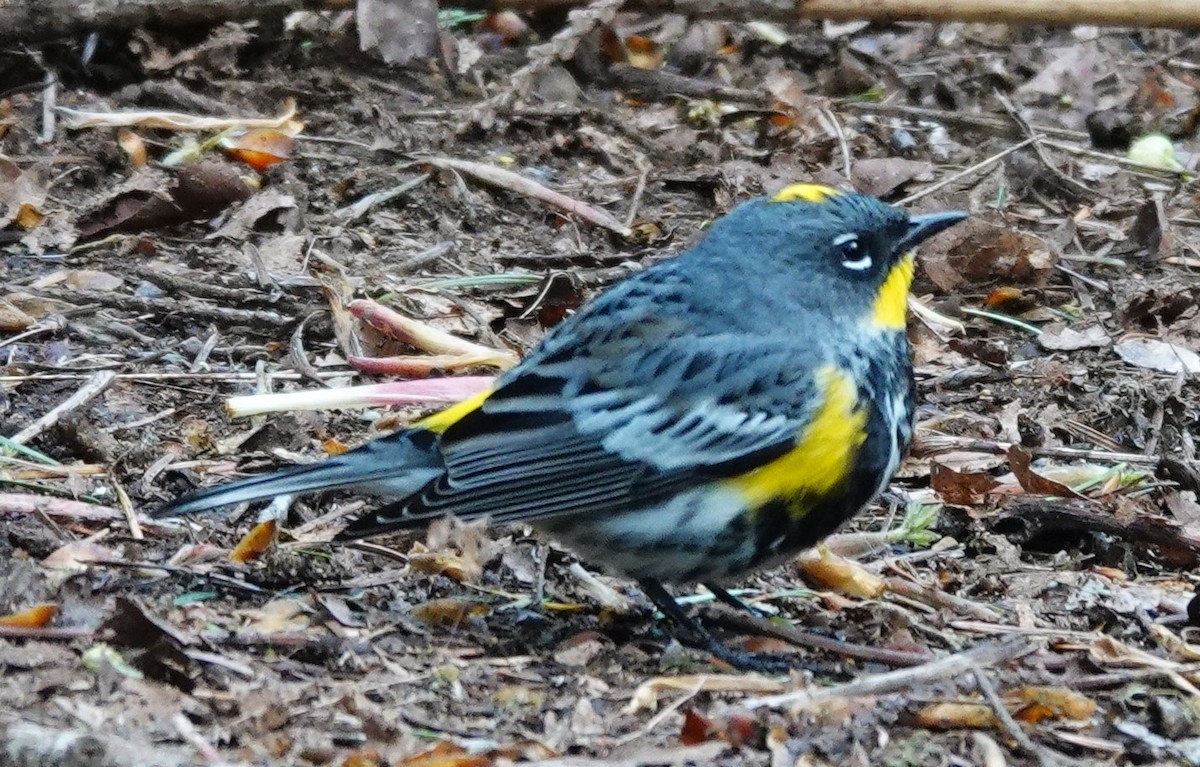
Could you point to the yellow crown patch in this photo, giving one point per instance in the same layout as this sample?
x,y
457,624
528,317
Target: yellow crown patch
x,y
806,193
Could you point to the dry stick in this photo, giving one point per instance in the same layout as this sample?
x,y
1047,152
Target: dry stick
x,y
85,394
932,444
28,503
1045,756
983,655
1079,187
745,622
28,21
967,171
982,122
44,632
282,375
1121,13
513,182
159,306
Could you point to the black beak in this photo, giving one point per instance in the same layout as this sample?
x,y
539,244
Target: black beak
x,y
921,228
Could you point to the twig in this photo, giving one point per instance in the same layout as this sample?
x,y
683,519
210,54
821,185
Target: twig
x,y
49,101
841,137
983,655
658,718
744,622
45,632
988,123
506,179
1080,188
1044,756
160,306
560,47
91,389
938,598
977,167
932,444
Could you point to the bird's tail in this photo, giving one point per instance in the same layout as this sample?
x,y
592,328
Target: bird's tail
x,y
398,465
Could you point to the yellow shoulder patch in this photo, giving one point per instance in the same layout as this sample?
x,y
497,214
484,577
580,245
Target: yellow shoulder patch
x,y
824,452
890,311
442,420
806,193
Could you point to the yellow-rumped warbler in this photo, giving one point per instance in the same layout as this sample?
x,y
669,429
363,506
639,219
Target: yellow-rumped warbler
x,y
718,412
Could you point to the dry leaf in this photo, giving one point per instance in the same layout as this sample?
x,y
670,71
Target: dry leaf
x,y
278,616
451,612
1032,482
192,193
31,617
581,649
255,543
133,146
961,488
260,148
955,716
1064,338
1158,355
978,252
23,193
646,695
824,570
1037,703
446,755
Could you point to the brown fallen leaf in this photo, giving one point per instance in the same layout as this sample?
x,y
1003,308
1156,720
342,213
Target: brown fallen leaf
x,y
960,488
881,176
1032,482
737,729
168,197
979,252
23,193
450,612
581,649
450,565
647,694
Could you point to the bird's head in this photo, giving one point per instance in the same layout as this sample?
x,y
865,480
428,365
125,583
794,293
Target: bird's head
x,y
850,252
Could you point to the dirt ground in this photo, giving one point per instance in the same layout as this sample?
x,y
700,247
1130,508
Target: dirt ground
x,y
1024,602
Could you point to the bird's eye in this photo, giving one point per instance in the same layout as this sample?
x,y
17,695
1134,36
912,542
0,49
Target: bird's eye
x,y
854,256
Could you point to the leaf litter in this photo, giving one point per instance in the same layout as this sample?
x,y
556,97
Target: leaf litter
x,y
1043,534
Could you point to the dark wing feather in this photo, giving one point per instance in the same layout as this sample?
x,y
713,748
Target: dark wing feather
x,y
599,434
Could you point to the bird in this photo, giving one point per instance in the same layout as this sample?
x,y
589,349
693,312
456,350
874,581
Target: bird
x,y
713,414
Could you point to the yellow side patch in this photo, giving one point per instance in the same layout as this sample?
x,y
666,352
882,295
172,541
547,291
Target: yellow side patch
x,y
805,193
440,421
890,311
823,454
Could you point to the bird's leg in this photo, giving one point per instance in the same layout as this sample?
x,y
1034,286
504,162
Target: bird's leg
x,y
724,596
699,637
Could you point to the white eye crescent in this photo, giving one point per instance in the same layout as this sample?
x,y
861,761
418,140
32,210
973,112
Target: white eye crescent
x,y
853,255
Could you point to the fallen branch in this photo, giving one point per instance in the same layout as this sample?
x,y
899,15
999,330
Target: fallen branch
x,y
1121,13
29,22
981,656
1032,519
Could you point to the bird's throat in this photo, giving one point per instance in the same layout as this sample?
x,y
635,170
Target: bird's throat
x,y
890,310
